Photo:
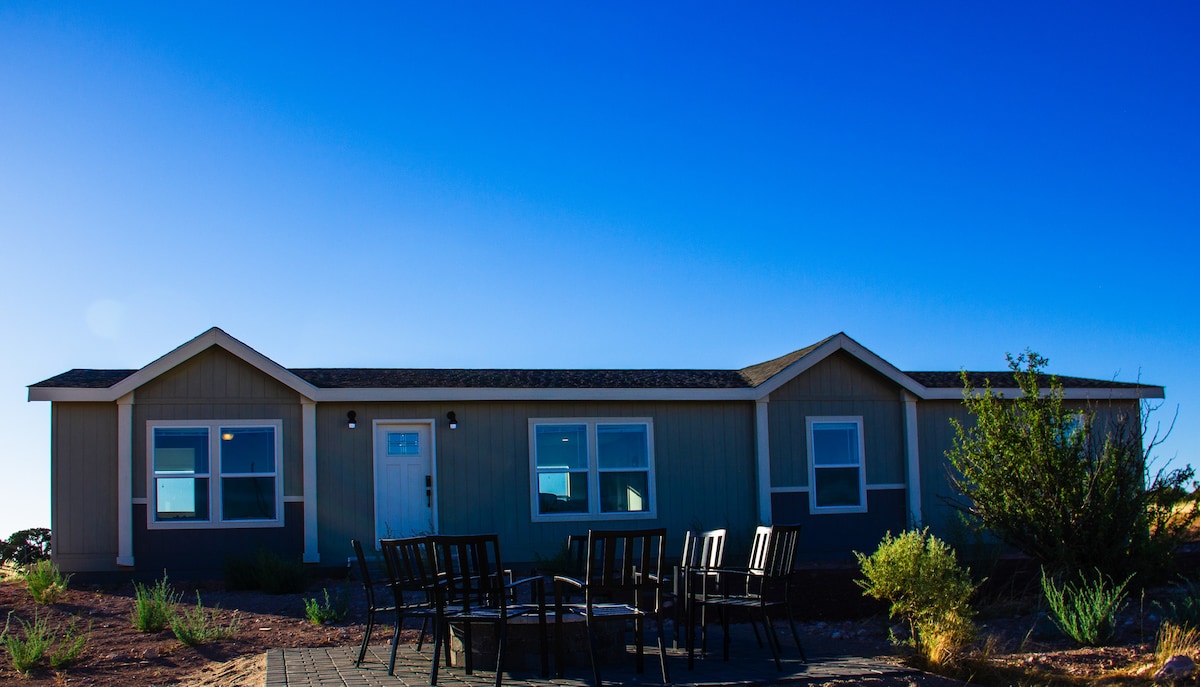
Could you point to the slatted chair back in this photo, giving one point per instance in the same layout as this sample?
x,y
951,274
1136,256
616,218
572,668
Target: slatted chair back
x,y
410,564
577,554
626,565
759,550
471,569
364,574
781,552
703,550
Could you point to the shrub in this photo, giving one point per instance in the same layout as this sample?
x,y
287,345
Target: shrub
x,y
27,651
45,583
198,625
153,607
266,571
1185,610
69,646
1175,640
328,611
920,576
26,547
1088,612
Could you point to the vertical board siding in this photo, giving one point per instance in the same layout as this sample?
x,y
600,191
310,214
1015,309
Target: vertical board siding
x,y
703,452
840,385
83,483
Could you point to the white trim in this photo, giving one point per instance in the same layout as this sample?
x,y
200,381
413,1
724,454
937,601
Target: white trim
x,y
886,487
1069,393
762,438
308,433
140,501
789,490
125,498
214,477
870,487
594,513
296,499
912,462
838,342
856,420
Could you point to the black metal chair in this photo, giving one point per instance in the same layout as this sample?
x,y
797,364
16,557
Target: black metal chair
x,y
375,589
622,581
702,552
412,576
760,590
474,588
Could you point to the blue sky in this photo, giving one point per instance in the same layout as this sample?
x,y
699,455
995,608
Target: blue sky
x,y
596,185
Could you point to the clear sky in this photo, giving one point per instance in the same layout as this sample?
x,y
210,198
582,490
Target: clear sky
x,y
596,184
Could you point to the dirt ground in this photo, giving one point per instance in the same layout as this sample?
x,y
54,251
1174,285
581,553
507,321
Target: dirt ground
x,y
1023,647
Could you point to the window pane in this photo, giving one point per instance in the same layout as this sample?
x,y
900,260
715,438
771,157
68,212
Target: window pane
x,y
622,446
835,443
247,449
181,498
181,450
248,498
561,446
562,492
837,487
624,492
404,443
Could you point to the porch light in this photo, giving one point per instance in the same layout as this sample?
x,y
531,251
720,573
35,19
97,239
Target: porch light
x,y
351,419
452,419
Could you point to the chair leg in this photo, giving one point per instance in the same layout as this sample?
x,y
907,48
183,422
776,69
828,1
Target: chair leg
x,y
772,641
438,632
501,636
795,634
662,651
639,637
421,637
362,651
592,652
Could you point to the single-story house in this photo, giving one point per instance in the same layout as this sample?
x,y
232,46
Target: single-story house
x,y
214,450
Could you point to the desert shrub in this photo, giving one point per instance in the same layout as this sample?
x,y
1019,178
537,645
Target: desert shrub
x,y
44,581
27,650
1184,610
1086,612
920,576
327,611
154,607
199,625
1175,640
26,547
68,647
266,571
1074,490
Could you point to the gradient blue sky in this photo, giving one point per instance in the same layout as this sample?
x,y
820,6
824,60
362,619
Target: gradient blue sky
x,y
571,184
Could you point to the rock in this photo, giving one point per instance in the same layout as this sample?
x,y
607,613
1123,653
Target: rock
x,y
150,654
1176,667
117,657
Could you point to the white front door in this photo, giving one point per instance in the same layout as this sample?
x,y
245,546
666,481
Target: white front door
x,y
404,489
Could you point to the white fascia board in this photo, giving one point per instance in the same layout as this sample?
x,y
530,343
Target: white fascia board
x,y
1070,394
840,342
493,394
214,336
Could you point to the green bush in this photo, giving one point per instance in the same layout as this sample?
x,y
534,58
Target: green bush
x,y
266,571
154,607
1088,612
920,576
26,547
1183,611
45,583
328,611
58,646
199,625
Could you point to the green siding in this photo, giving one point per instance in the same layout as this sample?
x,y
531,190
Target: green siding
x,y
216,385
840,385
704,470
83,484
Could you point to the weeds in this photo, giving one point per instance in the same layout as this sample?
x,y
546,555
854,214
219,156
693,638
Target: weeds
x,y
1088,612
58,646
154,607
329,611
69,646
1175,640
46,584
199,625
1184,610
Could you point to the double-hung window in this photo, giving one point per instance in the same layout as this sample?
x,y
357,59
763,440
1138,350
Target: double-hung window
x,y
592,468
215,474
837,466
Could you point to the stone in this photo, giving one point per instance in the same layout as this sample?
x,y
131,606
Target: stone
x,y
1176,668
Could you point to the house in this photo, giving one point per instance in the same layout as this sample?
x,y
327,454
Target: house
x,y
214,450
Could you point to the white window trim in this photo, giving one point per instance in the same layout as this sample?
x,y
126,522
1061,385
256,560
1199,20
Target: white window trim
x,y
812,466
594,513
214,476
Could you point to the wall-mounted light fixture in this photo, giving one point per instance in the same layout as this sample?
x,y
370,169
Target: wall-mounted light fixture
x,y
452,419
351,419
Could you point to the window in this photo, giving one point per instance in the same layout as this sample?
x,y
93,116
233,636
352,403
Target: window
x,y
837,480
592,469
215,474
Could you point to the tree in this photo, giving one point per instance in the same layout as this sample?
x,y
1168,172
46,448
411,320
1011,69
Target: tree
x,y
1072,491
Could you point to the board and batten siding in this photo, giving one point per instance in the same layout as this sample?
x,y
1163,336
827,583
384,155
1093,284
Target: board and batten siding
x,y
83,482
216,385
840,385
703,453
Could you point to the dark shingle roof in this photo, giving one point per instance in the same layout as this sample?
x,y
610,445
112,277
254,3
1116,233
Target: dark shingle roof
x,y
373,378
85,379
1005,380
